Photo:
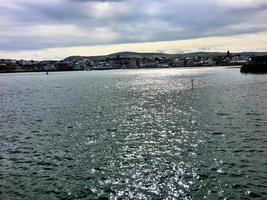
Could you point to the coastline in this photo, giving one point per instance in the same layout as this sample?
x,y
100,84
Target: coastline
x,y
109,69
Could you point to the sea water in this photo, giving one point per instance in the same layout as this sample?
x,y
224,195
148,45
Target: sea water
x,y
134,134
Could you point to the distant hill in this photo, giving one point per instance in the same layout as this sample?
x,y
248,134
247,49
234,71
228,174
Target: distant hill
x,y
136,54
129,54
124,54
254,53
214,54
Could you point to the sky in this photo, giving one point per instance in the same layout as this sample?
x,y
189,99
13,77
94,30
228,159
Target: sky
x,y
55,29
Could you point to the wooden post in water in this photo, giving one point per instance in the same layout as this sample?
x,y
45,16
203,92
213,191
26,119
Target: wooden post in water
x,y
192,84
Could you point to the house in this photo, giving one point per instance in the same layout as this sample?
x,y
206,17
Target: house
x,y
49,65
178,63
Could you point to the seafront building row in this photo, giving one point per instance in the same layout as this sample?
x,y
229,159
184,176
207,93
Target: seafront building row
x,y
120,62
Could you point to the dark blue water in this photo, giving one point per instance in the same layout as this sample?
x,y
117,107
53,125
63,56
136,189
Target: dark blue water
x,y
133,134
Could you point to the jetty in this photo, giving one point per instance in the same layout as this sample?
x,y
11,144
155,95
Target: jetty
x,y
257,64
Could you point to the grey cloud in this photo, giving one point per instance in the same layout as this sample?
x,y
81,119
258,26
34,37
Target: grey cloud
x,y
95,0
127,20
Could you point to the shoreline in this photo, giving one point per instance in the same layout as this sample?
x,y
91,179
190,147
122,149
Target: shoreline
x,y
108,69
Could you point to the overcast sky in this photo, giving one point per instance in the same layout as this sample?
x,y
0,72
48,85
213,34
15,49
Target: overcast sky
x,y
57,28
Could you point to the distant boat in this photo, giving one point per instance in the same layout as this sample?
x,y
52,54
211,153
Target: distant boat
x,y
257,64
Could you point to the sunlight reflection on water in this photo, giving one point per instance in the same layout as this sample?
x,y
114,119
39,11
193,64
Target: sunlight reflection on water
x,y
141,134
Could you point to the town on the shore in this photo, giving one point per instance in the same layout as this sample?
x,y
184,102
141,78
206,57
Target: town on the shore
x,y
127,60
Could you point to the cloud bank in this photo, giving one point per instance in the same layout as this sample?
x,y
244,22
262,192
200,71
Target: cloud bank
x,y
36,25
